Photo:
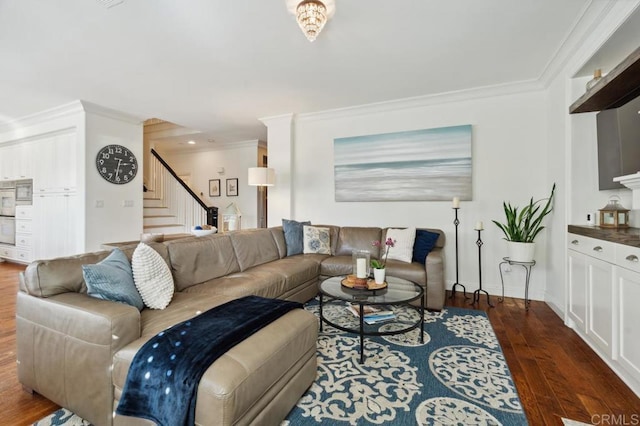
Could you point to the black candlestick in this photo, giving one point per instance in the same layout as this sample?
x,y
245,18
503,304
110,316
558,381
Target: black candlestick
x,y
476,294
456,222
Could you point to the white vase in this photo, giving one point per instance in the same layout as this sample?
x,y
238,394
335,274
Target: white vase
x,y
378,275
521,252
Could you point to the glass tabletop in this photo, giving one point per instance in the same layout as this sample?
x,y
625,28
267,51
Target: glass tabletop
x,y
398,290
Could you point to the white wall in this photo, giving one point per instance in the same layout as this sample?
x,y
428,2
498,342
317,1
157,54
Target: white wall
x,y
509,163
236,158
113,221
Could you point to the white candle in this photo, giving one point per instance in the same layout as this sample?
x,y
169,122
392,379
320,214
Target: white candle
x,y
456,202
361,267
479,225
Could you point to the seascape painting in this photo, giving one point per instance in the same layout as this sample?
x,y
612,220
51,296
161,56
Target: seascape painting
x,y
418,165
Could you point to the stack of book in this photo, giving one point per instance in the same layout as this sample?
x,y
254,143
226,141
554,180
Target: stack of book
x,y
372,314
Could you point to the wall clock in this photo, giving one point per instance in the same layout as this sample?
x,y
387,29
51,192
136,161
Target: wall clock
x,y
116,164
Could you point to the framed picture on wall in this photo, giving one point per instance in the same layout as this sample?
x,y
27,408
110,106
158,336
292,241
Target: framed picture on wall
x,y
232,187
214,187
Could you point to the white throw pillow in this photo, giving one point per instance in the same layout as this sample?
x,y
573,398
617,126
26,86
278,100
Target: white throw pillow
x,y
403,247
152,277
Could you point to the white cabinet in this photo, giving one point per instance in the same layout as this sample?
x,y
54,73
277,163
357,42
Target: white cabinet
x,y
603,292
628,277
24,228
591,289
56,169
577,306
55,224
600,289
16,161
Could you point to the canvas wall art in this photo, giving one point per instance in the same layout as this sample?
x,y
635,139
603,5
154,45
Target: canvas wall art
x,y
417,165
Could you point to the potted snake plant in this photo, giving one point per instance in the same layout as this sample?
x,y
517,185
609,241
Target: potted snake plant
x,y
523,226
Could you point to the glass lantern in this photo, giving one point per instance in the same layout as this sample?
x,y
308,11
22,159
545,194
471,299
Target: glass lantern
x,y
613,215
231,218
361,261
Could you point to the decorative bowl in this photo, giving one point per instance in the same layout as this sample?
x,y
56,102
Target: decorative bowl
x,y
203,232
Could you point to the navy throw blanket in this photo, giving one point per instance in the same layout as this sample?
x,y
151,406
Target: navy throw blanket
x,y
163,378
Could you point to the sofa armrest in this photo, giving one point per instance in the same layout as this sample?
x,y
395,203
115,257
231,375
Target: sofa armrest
x,y
436,290
65,348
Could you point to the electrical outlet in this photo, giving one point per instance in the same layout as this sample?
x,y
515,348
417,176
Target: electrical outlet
x,y
99,204
507,268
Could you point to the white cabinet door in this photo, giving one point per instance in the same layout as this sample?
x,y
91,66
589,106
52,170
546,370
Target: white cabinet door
x,y
56,168
629,317
577,307
600,287
55,225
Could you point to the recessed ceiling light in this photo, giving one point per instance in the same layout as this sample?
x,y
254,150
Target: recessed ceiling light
x,y
191,142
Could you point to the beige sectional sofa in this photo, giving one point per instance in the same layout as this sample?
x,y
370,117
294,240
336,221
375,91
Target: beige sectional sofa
x,y
76,350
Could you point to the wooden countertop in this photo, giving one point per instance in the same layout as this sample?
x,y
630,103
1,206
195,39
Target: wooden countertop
x,y
626,236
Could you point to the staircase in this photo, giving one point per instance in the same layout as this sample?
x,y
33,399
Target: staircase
x,y
170,206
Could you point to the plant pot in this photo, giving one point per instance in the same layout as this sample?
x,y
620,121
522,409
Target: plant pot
x,y
521,252
378,275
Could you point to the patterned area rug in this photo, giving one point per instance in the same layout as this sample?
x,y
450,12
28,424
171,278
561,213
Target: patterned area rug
x,y
458,376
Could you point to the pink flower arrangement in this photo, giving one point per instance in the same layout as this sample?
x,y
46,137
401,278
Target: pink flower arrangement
x,y
375,263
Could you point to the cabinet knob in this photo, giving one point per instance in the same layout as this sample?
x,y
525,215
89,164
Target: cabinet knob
x,y
575,242
632,258
597,248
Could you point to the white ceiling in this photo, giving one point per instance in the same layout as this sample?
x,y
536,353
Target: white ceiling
x,y
219,65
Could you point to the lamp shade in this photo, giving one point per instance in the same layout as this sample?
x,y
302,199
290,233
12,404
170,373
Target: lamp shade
x,y
261,176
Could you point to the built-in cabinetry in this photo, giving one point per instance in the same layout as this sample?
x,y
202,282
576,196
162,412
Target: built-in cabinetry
x,y
48,228
604,289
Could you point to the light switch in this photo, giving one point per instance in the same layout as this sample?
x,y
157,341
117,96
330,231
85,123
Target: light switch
x,y
127,203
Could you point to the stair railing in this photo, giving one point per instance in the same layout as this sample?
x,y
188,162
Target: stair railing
x,y
184,203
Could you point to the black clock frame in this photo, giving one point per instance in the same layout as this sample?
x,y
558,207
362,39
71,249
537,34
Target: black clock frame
x,y
116,164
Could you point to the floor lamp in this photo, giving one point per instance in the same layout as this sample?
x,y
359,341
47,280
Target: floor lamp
x,y
262,177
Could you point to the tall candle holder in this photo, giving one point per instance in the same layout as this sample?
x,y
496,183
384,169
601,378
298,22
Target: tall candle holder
x,y
456,222
476,294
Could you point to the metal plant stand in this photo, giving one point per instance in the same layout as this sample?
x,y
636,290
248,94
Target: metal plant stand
x,y
456,222
527,267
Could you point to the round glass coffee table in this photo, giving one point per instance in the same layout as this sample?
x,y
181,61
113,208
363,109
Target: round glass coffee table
x,y
399,292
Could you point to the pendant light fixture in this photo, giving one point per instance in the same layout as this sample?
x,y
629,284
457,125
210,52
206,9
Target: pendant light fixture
x,y
312,15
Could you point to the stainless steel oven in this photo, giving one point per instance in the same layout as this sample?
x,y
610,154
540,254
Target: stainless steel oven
x,y
7,230
24,191
8,201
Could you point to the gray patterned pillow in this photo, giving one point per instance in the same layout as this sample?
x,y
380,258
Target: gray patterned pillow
x,y
316,240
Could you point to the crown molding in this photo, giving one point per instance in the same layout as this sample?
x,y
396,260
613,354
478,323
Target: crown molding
x,y
110,113
62,111
424,101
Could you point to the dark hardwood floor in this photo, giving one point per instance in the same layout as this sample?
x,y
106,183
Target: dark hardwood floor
x,y
556,373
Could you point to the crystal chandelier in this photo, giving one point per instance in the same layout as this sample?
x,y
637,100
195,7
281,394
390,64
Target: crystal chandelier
x,y
311,15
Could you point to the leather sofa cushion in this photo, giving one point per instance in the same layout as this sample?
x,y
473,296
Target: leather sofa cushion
x,y
358,238
409,271
201,259
278,236
254,247
46,278
337,265
247,372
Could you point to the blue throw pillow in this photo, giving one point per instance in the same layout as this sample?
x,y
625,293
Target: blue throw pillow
x,y
425,242
293,236
112,279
